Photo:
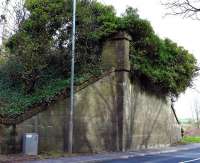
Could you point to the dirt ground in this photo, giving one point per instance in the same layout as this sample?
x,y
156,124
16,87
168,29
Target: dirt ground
x,y
16,158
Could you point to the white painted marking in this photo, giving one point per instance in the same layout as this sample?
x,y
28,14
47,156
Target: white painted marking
x,y
190,160
192,154
125,157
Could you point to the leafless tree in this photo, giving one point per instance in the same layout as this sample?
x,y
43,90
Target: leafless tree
x,y
196,112
12,14
184,8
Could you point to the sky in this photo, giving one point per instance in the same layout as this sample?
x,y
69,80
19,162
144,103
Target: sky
x,y
185,32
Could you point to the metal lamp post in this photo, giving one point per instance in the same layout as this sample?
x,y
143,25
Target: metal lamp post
x,y
71,124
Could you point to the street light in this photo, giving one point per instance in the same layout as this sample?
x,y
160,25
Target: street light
x,y
71,125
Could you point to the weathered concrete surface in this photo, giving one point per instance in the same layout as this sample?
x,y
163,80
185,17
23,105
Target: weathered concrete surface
x,y
111,114
7,139
116,52
146,121
149,121
95,120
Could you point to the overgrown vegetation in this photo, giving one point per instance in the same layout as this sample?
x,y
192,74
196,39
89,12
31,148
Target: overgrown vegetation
x,y
38,65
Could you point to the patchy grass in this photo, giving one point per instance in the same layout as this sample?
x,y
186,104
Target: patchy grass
x,y
187,140
55,154
179,143
16,158
191,139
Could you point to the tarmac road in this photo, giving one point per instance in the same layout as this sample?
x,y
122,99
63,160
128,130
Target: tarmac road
x,y
185,156
179,154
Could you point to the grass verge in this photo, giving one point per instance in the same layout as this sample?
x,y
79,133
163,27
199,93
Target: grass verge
x,y
191,139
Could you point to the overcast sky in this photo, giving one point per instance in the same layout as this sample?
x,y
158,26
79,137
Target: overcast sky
x,y
185,32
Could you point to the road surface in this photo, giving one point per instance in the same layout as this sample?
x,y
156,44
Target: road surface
x,y
179,154
185,156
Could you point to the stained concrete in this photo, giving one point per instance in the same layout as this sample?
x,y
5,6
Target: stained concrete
x,y
112,114
144,121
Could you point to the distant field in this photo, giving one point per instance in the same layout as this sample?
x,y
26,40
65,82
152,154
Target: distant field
x,y
186,120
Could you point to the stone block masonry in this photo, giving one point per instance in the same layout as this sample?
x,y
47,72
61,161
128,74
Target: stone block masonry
x,y
111,114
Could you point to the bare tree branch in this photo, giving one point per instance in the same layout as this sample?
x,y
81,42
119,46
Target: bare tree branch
x,y
195,108
184,8
12,14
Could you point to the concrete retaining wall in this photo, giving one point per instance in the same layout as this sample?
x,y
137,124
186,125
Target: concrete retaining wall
x,y
111,114
147,121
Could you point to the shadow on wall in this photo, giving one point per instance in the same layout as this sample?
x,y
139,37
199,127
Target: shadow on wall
x,y
99,118
130,124
150,120
7,139
96,122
